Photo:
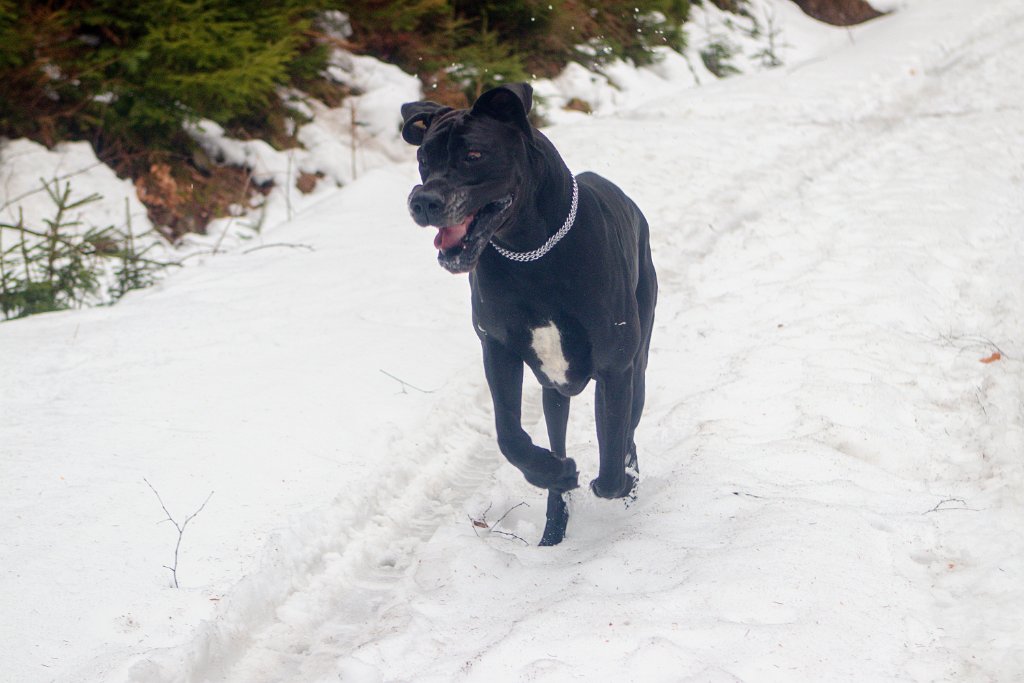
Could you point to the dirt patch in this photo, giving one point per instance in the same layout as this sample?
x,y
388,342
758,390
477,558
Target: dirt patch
x,y
182,199
306,182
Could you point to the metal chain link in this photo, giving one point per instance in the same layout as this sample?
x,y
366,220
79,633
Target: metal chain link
x,y
539,252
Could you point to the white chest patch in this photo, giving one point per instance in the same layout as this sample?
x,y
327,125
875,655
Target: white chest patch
x,y
547,344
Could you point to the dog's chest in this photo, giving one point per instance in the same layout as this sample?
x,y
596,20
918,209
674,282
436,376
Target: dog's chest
x,y
546,344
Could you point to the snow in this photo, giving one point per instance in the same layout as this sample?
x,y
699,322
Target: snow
x,y
339,144
797,39
831,481
27,166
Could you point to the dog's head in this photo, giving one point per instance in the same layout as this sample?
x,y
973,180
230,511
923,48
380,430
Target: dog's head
x,y
473,165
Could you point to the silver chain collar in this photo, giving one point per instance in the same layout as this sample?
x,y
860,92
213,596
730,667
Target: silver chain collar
x,y
539,252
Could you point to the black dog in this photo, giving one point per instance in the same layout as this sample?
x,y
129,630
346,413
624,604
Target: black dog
x,y
561,277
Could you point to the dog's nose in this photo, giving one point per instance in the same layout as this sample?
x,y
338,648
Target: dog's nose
x,y
425,206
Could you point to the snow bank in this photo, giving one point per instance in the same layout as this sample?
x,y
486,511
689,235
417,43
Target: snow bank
x,y
775,28
339,144
36,181
25,167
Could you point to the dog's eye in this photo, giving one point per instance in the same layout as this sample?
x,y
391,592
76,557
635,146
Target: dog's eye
x,y
474,155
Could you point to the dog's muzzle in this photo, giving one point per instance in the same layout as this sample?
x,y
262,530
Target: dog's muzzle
x,y
426,206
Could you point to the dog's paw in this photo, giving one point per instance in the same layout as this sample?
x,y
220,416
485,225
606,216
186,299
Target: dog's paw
x,y
557,520
630,497
632,466
625,490
568,479
559,475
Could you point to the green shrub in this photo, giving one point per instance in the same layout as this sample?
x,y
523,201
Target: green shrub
x,y
126,75
59,265
716,56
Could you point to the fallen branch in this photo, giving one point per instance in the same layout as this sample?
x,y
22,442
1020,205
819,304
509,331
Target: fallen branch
x,y
279,244
482,523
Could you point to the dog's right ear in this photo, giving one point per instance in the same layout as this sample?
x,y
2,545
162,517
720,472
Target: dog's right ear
x,y
510,103
418,116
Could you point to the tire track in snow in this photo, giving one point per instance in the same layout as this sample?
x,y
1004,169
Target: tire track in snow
x,y
331,573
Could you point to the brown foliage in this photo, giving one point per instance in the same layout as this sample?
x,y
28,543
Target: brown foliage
x,y
182,199
306,182
839,12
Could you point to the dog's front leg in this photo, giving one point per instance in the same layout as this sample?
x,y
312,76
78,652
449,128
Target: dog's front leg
x,y
556,416
504,371
613,413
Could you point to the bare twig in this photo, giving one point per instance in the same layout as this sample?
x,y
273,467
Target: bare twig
x,y
354,122
968,340
288,187
963,506
482,523
180,527
508,511
483,517
231,221
981,403
280,244
23,195
509,534
406,384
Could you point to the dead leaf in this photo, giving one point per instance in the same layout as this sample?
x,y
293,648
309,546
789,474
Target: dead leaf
x,y
993,358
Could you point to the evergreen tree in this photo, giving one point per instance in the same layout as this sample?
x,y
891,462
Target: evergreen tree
x,y
128,74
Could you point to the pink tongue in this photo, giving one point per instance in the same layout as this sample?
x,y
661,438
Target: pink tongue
x,y
452,235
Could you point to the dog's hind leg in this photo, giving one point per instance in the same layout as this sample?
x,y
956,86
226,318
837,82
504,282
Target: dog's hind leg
x,y
614,402
646,299
632,465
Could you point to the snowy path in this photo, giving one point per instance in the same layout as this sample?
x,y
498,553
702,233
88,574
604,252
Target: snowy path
x,y
815,392
832,485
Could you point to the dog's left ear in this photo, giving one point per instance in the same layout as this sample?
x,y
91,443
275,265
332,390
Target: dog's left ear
x,y
509,103
417,117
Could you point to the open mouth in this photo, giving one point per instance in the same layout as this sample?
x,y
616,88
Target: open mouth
x,y
459,246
